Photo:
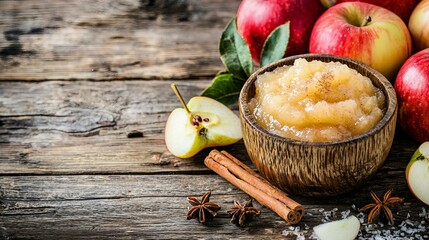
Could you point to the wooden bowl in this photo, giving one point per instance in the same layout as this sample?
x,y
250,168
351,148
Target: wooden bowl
x,y
319,168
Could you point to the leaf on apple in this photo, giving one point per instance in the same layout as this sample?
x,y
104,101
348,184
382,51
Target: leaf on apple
x,y
224,88
275,46
235,53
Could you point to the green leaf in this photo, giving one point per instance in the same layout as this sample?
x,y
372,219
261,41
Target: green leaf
x,y
225,88
235,53
224,71
275,45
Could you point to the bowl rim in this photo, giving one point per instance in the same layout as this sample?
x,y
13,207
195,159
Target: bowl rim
x,y
387,89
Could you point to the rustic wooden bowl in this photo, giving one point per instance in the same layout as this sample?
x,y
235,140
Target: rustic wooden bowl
x,y
319,168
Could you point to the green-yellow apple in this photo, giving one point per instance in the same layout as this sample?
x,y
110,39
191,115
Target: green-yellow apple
x,y
345,229
328,3
256,19
203,122
402,8
417,173
419,26
412,91
364,32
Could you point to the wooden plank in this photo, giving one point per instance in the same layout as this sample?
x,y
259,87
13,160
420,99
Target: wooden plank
x,y
62,127
120,39
154,206
81,127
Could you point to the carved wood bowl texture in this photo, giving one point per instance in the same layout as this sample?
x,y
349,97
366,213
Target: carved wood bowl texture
x,y
319,169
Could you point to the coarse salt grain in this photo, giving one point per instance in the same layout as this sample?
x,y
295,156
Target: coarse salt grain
x,y
406,227
423,212
295,231
417,229
345,214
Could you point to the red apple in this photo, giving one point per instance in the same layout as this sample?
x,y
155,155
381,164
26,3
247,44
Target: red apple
x,y
402,8
419,26
412,90
364,32
256,19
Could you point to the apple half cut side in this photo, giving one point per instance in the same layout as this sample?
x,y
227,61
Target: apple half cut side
x,y
203,122
222,127
417,173
345,229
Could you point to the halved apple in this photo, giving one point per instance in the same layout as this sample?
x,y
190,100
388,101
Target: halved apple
x,y
344,229
203,122
417,173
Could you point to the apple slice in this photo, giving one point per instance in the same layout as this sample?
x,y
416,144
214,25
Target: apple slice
x,y
417,173
204,122
342,229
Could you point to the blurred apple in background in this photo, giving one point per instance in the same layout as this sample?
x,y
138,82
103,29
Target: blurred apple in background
x,y
402,8
364,32
328,3
256,19
412,90
419,26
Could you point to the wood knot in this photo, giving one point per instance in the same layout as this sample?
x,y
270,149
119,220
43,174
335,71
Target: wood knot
x,y
135,134
161,159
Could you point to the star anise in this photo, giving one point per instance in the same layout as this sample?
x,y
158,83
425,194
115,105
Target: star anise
x,y
242,213
384,206
204,208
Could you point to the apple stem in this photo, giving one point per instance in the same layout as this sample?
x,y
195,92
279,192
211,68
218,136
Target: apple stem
x,y
179,96
365,21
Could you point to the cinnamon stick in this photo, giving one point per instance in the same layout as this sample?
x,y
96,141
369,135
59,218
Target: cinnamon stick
x,y
253,184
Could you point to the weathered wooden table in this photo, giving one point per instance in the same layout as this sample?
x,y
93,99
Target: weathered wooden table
x,y
84,97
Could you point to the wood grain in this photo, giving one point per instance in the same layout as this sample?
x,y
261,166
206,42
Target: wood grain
x,y
112,39
63,127
86,159
81,127
144,206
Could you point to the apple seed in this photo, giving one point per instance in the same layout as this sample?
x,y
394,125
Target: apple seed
x,y
195,122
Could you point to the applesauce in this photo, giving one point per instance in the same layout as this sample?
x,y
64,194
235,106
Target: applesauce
x,y
316,101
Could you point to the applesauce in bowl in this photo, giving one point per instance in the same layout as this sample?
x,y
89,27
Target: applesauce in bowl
x,y
316,101
318,164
